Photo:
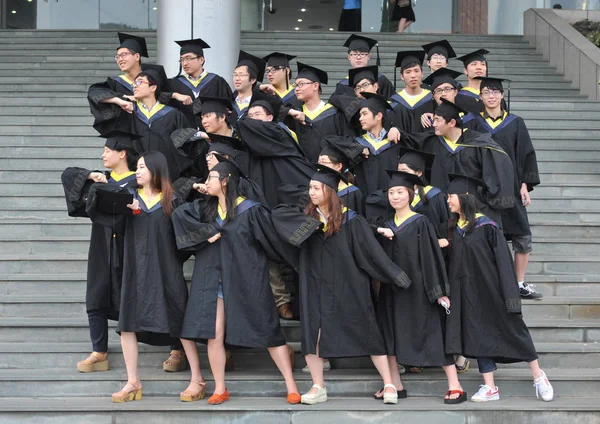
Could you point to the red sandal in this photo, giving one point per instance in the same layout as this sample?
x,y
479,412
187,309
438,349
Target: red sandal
x,y
460,399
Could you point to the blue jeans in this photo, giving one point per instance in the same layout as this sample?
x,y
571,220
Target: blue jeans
x,y
486,365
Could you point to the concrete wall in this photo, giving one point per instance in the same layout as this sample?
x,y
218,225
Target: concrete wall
x,y
566,49
506,16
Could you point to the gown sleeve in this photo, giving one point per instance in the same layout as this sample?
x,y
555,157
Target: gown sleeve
x,y
267,139
505,269
293,225
498,178
526,158
114,221
190,233
104,113
76,185
433,268
370,256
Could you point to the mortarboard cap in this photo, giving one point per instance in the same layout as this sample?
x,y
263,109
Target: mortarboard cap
x,y
278,59
375,102
442,47
409,58
157,72
490,82
461,184
416,159
113,202
441,76
215,104
403,179
119,140
134,43
252,62
228,168
448,109
195,45
311,73
360,43
473,56
224,144
356,75
328,176
332,147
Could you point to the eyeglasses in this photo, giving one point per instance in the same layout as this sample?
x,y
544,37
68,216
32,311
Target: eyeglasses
x,y
240,75
325,162
361,87
211,177
188,59
122,55
444,90
302,84
210,156
137,83
437,56
274,69
359,55
491,93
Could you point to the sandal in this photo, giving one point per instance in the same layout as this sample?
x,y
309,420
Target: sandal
x,y
128,395
379,394
176,362
97,361
460,399
464,367
415,370
219,399
188,396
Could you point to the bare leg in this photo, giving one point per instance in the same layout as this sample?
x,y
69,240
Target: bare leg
x,y
216,350
315,365
401,25
130,354
383,367
393,363
488,379
281,357
191,351
535,369
521,262
407,24
453,383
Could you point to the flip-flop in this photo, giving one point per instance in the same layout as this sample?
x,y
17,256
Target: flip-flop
x,y
462,398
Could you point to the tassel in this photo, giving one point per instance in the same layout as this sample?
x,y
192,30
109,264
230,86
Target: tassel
x,y
508,98
378,63
394,78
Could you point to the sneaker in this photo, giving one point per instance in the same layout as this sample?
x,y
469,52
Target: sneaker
x,y
528,292
543,388
485,394
401,369
326,367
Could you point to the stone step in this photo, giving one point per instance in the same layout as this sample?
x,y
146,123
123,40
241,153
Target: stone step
x,y
532,105
582,203
566,155
56,112
566,190
560,285
566,216
81,102
31,227
42,130
560,264
575,167
569,177
541,228
562,246
336,410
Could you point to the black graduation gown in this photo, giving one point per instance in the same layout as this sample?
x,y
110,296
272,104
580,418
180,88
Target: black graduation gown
x,y
153,290
512,135
386,88
328,121
408,112
352,197
411,321
435,208
486,319
211,85
370,173
108,116
477,155
275,157
335,275
239,259
105,256
469,100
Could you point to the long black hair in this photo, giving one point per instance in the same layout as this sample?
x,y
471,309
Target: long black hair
x,y
131,157
469,207
157,165
232,192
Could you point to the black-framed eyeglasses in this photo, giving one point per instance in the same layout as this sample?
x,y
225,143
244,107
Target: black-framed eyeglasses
x,y
274,69
188,59
445,90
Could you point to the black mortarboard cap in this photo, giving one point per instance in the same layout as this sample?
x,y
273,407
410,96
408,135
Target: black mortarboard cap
x,y
442,47
491,82
358,74
133,43
473,56
403,179
224,144
228,167
417,159
328,176
332,148
157,72
360,43
375,102
215,104
311,73
448,109
113,202
461,184
409,58
119,140
268,106
278,59
195,45
441,76
255,63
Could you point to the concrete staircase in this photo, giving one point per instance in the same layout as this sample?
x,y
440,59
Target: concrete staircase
x,y
45,126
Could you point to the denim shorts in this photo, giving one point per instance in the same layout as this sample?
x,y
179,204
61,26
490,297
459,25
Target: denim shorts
x,y
220,292
486,365
521,244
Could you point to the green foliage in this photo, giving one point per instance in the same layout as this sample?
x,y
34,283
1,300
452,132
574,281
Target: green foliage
x,y
589,29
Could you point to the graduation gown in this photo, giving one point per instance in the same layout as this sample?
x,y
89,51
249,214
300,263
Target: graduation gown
x,y
486,319
409,111
326,121
153,290
352,197
370,173
208,85
275,157
105,256
239,260
411,321
511,134
335,275
108,116
385,87
475,155
470,100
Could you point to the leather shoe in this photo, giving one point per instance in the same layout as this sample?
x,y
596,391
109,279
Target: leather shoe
x,y
285,311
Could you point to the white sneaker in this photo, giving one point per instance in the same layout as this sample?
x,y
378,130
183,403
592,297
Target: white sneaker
x,y
314,398
486,394
326,367
543,388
